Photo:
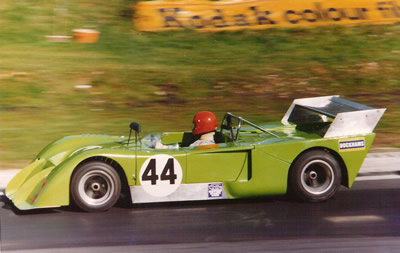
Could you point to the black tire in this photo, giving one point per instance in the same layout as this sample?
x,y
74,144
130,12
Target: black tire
x,y
95,187
315,176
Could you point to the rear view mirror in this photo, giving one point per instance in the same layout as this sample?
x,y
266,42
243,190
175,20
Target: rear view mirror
x,y
135,126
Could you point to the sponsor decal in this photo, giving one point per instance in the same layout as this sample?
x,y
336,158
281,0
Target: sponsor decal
x,y
36,193
261,14
352,144
215,190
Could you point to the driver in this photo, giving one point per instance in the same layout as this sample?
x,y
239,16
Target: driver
x,y
204,125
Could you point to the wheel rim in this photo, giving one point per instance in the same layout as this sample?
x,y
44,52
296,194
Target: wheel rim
x,y
317,177
96,187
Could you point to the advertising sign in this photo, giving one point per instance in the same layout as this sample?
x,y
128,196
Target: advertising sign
x,y
261,14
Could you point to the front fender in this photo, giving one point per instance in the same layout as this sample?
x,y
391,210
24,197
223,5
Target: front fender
x,y
57,151
51,186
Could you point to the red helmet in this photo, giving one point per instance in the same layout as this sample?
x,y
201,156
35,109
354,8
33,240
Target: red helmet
x,y
204,122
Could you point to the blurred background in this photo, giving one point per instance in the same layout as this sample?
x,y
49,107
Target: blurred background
x,y
49,90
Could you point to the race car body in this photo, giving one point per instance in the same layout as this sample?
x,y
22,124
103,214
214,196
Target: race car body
x,y
319,145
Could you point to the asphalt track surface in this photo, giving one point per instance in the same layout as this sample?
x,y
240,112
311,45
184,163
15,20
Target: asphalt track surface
x,y
365,218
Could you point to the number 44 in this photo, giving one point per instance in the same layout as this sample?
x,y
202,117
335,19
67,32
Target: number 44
x,y
168,173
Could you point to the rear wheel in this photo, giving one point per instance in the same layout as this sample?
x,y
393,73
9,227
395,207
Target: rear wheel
x,y
95,187
315,176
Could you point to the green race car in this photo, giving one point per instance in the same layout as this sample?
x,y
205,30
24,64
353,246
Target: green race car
x,y
319,145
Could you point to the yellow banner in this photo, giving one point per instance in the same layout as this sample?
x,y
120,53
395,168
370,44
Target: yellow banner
x,y
261,14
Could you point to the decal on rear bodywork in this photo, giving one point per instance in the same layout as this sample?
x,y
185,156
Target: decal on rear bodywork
x,y
353,144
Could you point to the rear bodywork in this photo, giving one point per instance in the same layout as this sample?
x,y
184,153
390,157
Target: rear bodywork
x,y
256,163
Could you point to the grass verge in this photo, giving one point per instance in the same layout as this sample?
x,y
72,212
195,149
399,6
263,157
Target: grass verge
x,y
163,79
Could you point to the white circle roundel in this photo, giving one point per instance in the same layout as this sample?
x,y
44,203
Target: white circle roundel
x,y
160,175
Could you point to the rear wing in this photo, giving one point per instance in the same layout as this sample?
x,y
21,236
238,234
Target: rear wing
x,y
347,118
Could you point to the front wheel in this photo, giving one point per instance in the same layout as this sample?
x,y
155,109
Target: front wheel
x,y
315,176
95,187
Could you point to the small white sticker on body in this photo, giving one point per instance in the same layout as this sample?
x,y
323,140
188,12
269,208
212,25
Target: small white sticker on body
x,y
215,190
